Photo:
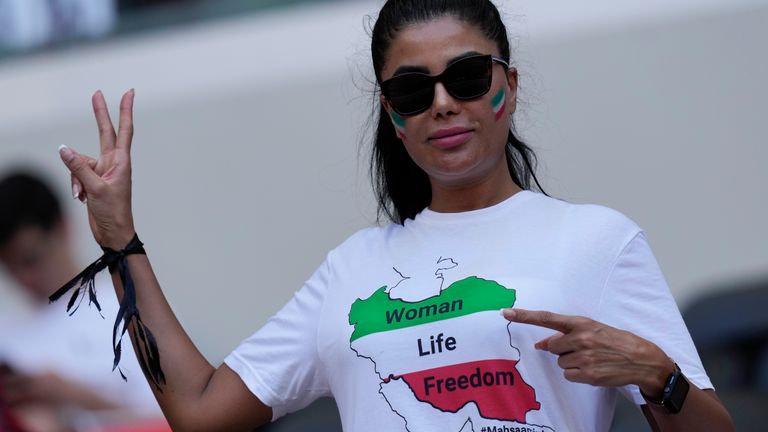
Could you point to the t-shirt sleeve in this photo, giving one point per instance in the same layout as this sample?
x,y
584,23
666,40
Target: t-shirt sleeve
x,y
280,363
636,298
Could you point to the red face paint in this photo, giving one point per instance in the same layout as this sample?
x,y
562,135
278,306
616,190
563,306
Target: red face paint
x,y
499,103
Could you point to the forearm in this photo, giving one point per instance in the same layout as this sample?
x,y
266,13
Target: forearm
x,y
195,396
702,411
187,372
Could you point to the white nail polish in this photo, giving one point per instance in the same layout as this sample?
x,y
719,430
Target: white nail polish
x,y
75,191
65,151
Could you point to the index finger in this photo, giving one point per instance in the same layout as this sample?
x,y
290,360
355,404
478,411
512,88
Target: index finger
x,y
550,320
125,129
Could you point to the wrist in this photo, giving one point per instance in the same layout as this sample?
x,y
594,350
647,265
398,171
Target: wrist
x,y
652,386
674,393
120,239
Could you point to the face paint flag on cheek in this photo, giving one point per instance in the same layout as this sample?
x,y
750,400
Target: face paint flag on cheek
x,y
399,123
499,103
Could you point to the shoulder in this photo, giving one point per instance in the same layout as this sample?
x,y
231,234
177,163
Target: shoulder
x,y
366,239
584,220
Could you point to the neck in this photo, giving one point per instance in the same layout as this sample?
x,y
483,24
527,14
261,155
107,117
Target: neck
x,y
473,196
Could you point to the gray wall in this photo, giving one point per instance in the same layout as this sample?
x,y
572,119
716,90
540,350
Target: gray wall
x,y
248,167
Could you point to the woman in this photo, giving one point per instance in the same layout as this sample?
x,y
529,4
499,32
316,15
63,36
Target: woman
x,y
400,323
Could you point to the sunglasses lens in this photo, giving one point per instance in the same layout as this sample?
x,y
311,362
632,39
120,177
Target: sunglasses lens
x,y
465,79
410,93
469,78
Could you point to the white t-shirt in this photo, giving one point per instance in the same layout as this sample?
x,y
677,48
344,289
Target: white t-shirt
x,y
401,324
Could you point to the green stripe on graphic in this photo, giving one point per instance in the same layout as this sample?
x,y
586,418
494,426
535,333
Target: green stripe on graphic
x,y
380,313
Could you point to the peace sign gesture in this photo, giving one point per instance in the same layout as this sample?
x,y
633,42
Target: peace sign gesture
x,y
104,184
593,353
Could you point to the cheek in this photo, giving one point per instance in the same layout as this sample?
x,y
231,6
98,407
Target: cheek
x,y
499,103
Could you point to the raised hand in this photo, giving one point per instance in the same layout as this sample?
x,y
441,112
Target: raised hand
x,y
593,353
104,184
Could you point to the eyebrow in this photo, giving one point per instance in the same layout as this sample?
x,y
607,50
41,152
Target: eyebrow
x,y
421,69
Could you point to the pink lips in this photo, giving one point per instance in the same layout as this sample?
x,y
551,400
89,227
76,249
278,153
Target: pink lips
x,y
451,137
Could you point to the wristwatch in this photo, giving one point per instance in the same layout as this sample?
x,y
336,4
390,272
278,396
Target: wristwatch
x,y
675,390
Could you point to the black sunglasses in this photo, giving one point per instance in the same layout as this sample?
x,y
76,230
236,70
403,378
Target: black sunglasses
x,y
464,79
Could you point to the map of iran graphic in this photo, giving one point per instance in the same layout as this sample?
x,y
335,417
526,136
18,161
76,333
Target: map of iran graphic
x,y
447,359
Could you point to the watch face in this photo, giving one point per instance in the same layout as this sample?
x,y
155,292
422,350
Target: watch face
x,y
675,391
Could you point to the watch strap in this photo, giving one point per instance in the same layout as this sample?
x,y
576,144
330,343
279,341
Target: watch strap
x,y
674,393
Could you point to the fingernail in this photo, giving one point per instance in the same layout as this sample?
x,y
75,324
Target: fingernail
x,y
75,191
507,313
66,152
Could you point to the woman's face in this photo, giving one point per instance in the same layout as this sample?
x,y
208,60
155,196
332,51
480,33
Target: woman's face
x,y
457,143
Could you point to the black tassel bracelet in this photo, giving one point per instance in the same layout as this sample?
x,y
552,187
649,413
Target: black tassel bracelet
x,y
147,352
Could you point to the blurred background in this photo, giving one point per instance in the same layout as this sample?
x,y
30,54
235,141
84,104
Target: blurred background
x,y
251,147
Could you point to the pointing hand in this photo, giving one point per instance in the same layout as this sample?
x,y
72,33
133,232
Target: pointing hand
x,y
593,353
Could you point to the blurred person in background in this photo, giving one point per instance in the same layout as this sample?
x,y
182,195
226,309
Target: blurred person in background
x,y
28,24
8,420
54,371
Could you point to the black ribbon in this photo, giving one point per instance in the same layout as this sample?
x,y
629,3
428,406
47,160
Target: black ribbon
x,y
147,352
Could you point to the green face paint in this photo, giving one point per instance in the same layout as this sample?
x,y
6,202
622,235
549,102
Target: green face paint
x,y
399,123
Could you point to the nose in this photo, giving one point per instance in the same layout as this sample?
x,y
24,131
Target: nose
x,y
443,103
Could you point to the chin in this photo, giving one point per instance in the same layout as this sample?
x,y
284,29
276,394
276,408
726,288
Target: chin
x,y
459,176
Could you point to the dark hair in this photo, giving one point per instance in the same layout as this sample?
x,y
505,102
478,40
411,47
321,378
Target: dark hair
x,y
25,200
402,188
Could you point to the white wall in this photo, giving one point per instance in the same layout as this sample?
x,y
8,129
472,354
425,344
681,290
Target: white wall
x,y
248,167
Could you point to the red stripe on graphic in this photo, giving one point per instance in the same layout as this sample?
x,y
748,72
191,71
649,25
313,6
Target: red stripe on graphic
x,y
495,386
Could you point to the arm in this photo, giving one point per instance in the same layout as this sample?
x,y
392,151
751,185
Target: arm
x,y
196,396
593,353
699,406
